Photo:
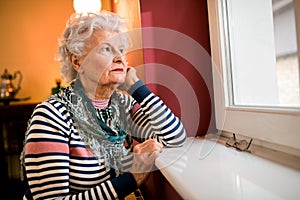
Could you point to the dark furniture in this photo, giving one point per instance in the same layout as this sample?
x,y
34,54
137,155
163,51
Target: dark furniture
x,y
13,124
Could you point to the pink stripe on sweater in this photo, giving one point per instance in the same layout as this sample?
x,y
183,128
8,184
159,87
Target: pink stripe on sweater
x,y
134,109
46,147
81,152
100,104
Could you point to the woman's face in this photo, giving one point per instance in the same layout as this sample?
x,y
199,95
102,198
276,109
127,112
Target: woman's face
x,y
105,62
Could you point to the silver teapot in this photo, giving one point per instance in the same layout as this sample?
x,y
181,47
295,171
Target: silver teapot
x,y
7,89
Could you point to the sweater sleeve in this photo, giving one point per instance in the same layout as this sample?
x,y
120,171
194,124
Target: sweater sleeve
x,y
151,118
58,165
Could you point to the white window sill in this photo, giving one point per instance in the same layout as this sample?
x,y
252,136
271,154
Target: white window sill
x,y
207,170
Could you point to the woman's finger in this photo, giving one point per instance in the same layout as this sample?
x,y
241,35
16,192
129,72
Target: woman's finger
x,y
148,146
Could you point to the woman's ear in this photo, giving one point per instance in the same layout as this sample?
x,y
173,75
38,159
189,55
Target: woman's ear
x,y
75,62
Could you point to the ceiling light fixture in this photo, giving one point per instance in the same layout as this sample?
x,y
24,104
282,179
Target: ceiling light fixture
x,y
87,6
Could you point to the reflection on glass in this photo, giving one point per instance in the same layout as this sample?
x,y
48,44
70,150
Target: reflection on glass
x,y
286,52
261,46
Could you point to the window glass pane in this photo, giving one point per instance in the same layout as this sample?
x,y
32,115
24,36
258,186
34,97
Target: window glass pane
x,y
262,46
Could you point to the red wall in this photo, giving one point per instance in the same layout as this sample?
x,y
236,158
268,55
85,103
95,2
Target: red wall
x,y
177,59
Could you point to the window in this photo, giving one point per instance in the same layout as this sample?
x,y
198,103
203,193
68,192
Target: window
x,y
256,69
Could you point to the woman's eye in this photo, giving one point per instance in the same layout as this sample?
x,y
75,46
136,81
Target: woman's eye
x,y
122,51
107,49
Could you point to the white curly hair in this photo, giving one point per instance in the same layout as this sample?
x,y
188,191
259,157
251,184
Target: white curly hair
x,y
79,29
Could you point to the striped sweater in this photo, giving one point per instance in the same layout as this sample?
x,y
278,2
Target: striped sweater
x,y
59,166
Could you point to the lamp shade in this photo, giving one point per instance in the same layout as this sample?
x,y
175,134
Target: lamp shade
x,y
87,6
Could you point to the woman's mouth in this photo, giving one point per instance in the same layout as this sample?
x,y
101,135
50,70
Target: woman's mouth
x,y
118,70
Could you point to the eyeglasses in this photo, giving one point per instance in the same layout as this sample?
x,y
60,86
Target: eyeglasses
x,y
241,145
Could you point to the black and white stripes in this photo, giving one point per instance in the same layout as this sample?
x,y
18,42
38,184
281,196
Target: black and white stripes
x,y
59,166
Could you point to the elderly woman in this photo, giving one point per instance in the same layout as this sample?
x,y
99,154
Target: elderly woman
x,y
93,140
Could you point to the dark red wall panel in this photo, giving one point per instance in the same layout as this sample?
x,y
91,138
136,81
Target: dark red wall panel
x,y
177,59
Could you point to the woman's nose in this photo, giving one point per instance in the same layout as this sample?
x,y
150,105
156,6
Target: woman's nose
x,y
118,59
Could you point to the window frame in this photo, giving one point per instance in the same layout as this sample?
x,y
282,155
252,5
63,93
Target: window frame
x,y
267,126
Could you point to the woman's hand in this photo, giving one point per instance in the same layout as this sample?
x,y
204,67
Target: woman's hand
x,y
144,158
130,79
